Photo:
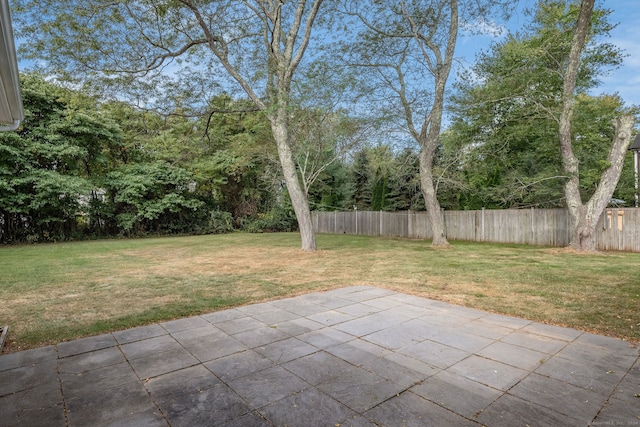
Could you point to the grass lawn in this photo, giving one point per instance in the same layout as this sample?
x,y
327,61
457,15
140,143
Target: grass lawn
x,y
56,292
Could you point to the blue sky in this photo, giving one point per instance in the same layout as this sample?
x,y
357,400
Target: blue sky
x,y
624,80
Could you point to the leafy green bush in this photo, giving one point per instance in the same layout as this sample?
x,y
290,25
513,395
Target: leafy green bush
x,y
220,222
152,198
278,219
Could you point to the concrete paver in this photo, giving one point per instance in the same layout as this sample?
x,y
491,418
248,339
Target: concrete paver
x,y
357,356
446,389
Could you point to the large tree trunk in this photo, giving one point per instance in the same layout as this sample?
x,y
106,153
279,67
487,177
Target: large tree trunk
x,y
280,128
430,132
584,218
430,197
583,234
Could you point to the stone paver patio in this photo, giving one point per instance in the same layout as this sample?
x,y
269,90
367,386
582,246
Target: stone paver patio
x,y
356,356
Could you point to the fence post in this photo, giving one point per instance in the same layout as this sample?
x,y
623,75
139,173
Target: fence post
x,y
482,226
533,232
335,222
636,164
409,224
356,212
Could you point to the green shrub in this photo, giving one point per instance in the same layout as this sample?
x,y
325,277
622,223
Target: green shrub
x,y
277,220
220,222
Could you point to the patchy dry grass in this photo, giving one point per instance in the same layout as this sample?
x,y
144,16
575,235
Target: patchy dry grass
x,y
51,293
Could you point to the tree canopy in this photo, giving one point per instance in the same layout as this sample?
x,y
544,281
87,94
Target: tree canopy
x,y
186,116
507,112
145,50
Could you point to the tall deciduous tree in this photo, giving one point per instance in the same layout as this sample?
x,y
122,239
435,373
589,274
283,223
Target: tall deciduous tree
x,y
407,48
509,156
322,139
51,163
530,92
585,216
257,44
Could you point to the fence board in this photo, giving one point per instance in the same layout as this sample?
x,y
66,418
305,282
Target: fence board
x,y
461,225
419,226
618,229
394,224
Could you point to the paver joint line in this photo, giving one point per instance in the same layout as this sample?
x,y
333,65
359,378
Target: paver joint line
x,y
352,356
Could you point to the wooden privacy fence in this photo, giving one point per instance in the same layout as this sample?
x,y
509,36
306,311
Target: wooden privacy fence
x,y
618,229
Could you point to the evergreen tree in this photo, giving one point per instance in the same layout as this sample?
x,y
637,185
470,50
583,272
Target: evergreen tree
x,y
362,188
